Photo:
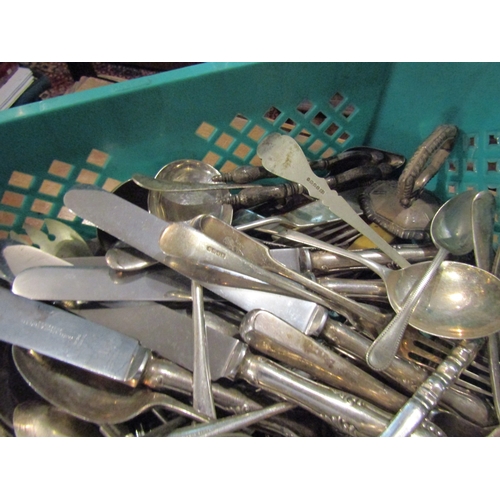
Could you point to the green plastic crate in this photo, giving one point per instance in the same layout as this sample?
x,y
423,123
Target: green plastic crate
x,y
218,112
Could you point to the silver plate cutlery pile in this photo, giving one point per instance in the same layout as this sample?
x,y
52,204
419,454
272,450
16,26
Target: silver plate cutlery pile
x,y
338,298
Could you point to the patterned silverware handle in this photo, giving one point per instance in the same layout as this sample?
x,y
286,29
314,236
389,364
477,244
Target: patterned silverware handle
x,y
346,413
428,395
409,375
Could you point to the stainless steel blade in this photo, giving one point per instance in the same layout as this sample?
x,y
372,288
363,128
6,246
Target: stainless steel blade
x,y
159,285
69,338
168,333
100,284
177,245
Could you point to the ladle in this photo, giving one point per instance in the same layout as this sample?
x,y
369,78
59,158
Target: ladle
x,y
37,419
451,232
462,303
61,387
171,207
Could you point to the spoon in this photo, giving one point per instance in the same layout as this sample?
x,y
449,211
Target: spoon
x,y
283,156
451,232
37,419
62,387
447,309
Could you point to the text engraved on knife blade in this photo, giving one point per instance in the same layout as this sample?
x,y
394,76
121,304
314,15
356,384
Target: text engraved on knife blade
x,y
216,252
54,330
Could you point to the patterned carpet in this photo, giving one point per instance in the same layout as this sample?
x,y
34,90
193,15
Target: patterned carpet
x,y
62,80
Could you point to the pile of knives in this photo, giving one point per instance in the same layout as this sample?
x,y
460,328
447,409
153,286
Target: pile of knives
x,y
213,343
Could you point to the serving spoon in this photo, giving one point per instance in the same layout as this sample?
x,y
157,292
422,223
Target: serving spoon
x,y
451,232
462,303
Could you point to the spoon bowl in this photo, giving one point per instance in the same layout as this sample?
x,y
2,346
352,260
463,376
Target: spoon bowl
x,y
36,419
90,397
459,303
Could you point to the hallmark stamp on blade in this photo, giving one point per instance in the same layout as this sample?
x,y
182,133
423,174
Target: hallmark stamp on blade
x,y
316,186
213,250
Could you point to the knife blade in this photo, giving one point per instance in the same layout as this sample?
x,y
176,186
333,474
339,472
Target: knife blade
x,y
177,245
59,334
103,284
63,336
94,347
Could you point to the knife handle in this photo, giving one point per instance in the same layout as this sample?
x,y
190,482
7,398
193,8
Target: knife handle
x,y
346,413
325,262
276,339
161,374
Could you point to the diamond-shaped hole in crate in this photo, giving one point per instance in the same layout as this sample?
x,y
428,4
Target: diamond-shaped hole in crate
x,y
491,166
87,177
332,129
21,180
318,119
50,188
305,106
492,140
98,158
470,166
205,131
256,133
316,146
66,214
110,184
224,141
452,166
328,153
7,218
272,114
12,199
288,126
41,206
228,166
303,136
336,100
242,151
239,122
349,111
211,158
343,138
471,141
60,169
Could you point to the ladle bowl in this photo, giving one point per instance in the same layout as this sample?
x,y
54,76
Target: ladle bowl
x,y
187,205
459,295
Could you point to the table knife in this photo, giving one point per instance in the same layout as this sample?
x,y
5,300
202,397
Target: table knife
x,y
59,334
